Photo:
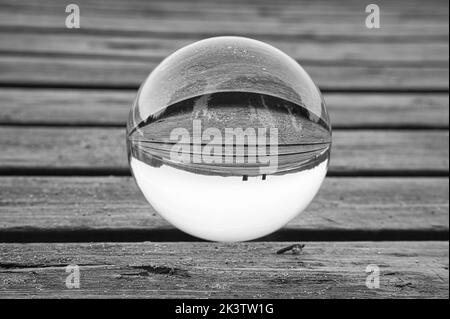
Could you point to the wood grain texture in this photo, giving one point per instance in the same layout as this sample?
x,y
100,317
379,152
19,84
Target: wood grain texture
x,y
247,270
54,76
306,51
207,19
114,203
117,73
99,148
251,9
96,107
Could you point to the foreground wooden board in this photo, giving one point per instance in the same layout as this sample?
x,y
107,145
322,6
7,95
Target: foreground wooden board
x,y
307,51
49,204
105,107
122,73
104,148
246,270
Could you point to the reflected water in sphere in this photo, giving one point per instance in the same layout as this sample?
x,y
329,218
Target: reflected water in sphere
x,y
229,139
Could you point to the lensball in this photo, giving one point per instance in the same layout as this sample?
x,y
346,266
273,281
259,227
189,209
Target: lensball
x,y
229,139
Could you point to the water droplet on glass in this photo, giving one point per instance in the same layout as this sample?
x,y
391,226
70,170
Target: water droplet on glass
x,y
227,147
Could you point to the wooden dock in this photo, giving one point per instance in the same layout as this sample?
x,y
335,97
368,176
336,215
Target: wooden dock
x,y
67,197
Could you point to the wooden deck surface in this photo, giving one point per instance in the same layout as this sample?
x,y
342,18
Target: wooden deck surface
x,y
66,195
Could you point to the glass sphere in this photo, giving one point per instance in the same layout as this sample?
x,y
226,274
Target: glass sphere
x,y
229,139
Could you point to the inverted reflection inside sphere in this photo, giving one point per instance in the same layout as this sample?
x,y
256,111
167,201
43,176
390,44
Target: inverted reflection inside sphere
x,y
229,139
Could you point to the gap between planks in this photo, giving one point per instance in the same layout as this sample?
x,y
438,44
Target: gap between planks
x,y
70,235
134,87
124,171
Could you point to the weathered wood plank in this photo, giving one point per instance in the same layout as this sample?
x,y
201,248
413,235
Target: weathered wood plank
x,y
409,151
247,270
343,18
113,72
306,51
115,203
251,9
96,107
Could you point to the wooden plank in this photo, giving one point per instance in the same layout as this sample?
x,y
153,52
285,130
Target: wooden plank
x,y
113,72
76,204
306,51
291,19
388,110
250,8
97,107
342,27
100,148
246,270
